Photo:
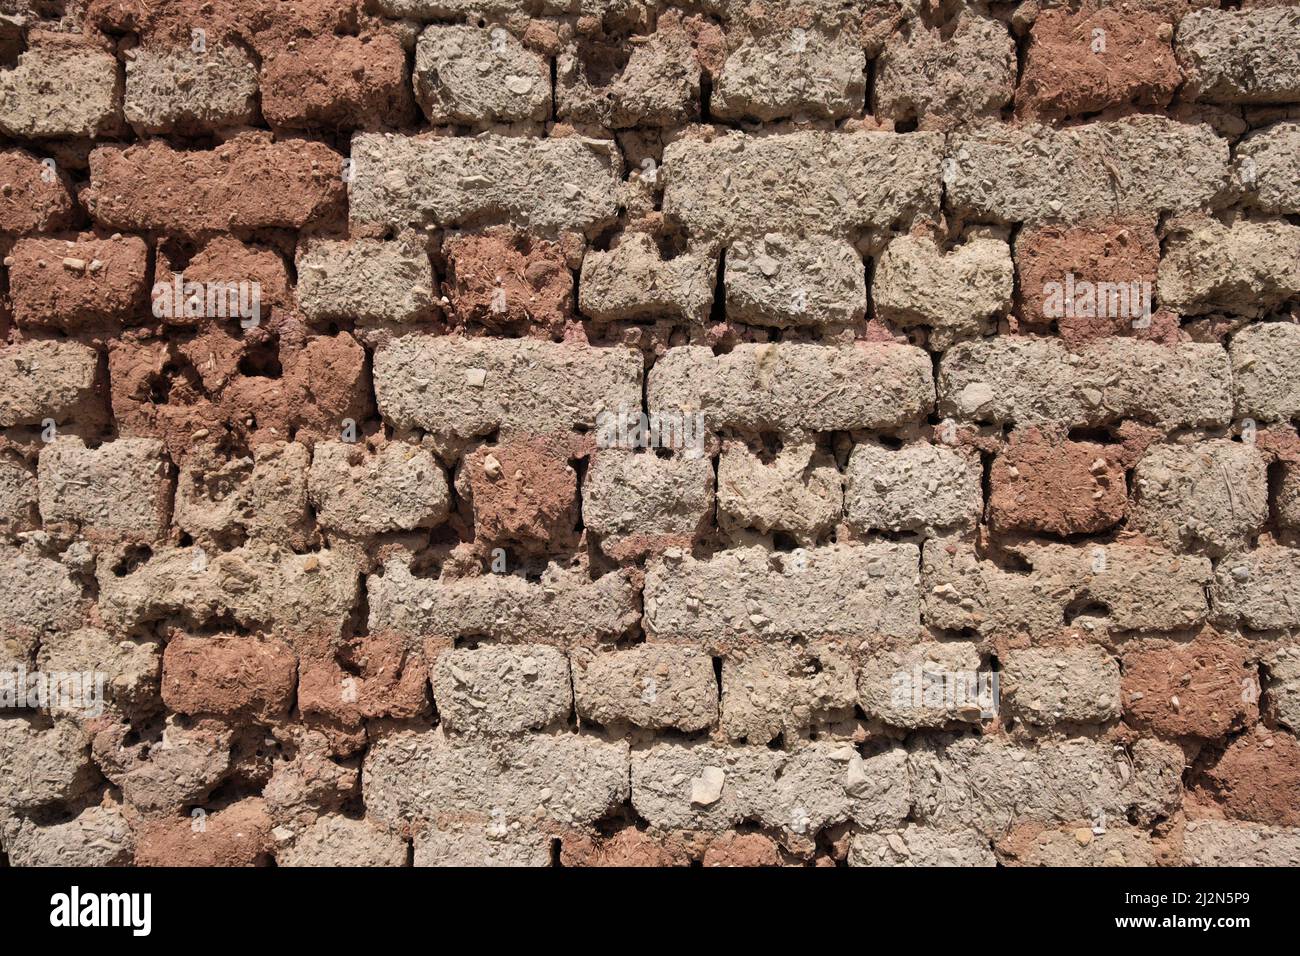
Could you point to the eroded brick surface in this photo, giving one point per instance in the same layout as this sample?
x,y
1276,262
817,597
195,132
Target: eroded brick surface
x,y
650,434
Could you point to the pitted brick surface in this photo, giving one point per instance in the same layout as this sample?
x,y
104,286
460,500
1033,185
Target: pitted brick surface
x,y
593,432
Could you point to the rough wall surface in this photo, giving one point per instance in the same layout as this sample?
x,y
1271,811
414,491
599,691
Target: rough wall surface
x,y
536,432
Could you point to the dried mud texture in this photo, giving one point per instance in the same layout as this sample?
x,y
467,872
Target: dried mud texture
x,y
655,434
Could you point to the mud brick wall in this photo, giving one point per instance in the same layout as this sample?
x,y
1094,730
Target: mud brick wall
x,y
967,530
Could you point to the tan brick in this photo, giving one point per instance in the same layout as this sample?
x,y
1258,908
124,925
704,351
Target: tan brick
x,y
705,787
547,185
845,591
60,87
770,691
497,689
789,387
364,279
464,388
566,608
736,186
1049,686
1123,587
919,487
651,686
360,492
1063,781
1241,56
526,781
181,90
799,492
123,487
49,379
642,503
1029,381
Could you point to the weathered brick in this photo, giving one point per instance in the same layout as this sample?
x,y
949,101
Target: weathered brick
x,y
1049,686
955,293
1212,495
498,689
190,192
1230,843
43,765
706,787
335,840
460,844
1028,381
369,677
303,598
37,597
504,279
641,503
18,498
799,184
919,487
1268,165
37,198
1264,378
1241,56
338,82
1282,686
566,608
181,90
771,691
262,496
652,686
228,675
160,781
1035,844
1206,688
1093,279
786,387
809,74
1257,778
930,684
1128,587
657,84
1248,268
237,835
523,494
360,492
779,281
530,780
921,846
130,668
1093,60
845,591
123,487
547,185
68,284
466,74
1064,781
60,87
633,281
364,279
944,79
458,389
1042,482
55,379
1259,589
1141,164
98,836
799,492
